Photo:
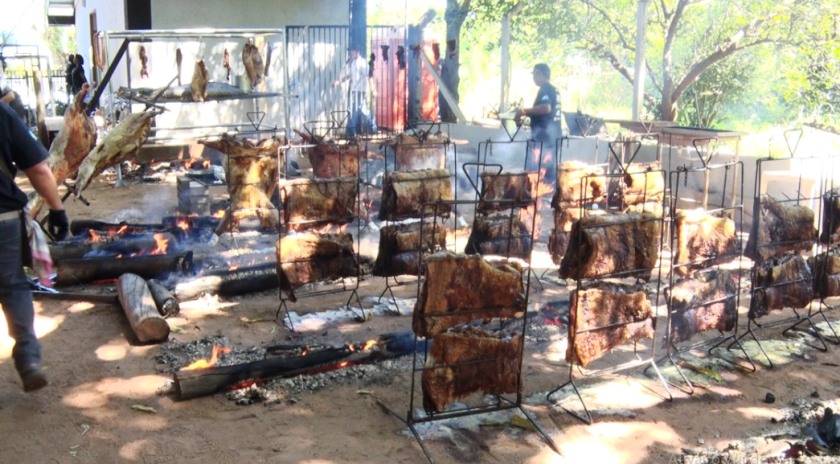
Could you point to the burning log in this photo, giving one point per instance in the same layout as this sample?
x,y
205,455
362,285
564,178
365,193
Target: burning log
x,y
460,288
826,269
470,361
504,190
122,141
202,382
108,246
329,159
704,302
780,228
571,191
229,282
310,203
84,226
251,178
781,283
72,144
136,300
831,217
413,153
602,318
609,244
702,237
165,301
400,248
87,270
499,235
405,194
310,257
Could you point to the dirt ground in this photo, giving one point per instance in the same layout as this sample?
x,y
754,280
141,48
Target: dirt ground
x,y
96,376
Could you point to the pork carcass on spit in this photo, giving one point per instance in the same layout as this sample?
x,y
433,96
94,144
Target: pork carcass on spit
x,y
460,288
72,144
122,141
253,62
468,361
779,228
704,301
701,237
780,283
401,246
601,318
198,84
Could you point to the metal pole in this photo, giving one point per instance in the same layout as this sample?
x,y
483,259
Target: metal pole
x,y
639,72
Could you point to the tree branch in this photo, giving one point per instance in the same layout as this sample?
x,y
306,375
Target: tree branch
x,y
604,51
612,23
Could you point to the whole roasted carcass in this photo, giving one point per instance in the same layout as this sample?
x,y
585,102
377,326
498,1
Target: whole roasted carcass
x,y
469,361
310,203
579,182
604,317
700,238
72,144
251,174
330,159
780,283
501,191
780,227
122,141
198,85
461,288
254,67
500,234
309,257
705,301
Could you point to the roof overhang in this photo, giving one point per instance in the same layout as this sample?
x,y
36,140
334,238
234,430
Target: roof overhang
x,y
61,12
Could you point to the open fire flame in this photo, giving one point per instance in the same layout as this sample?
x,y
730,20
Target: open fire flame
x,y
162,244
197,163
205,363
110,233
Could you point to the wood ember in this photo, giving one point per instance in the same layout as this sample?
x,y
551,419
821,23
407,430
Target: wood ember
x,y
122,141
309,257
781,283
500,234
136,300
780,228
312,203
72,144
401,245
412,154
831,217
691,310
504,190
608,244
602,318
405,193
469,361
461,288
702,237
826,269
251,178
571,191
330,159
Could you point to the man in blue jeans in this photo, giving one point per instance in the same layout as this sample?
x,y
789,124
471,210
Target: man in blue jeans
x,y
19,149
545,127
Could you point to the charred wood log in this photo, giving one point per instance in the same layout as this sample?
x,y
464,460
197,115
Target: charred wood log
x,y
500,234
781,283
602,318
87,270
826,268
165,301
470,361
407,194
780,228
201,382
700,238
605,245
229,282
83,226
312,203
460,289
401,247
706,301
123,245
504,191
136,300
330,159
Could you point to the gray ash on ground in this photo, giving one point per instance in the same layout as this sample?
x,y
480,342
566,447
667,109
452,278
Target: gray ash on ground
x,y
377,374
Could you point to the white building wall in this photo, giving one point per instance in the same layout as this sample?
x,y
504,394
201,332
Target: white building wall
x,y
110,15
179,14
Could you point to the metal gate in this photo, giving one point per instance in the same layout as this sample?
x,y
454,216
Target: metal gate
x,y
316,57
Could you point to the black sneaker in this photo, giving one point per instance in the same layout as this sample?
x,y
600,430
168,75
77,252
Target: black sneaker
x,y
33,379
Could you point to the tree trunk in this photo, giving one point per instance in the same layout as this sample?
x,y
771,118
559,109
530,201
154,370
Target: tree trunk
x,y
455,16
139,307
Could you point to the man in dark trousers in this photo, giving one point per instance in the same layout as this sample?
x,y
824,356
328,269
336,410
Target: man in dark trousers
x,y
545,126
68,76
19,149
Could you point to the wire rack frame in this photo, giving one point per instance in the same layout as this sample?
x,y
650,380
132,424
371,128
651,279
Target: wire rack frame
x,y
679,180
649,360
763,166
350,216
516,327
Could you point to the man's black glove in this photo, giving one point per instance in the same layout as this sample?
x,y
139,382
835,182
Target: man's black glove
x,y
57,224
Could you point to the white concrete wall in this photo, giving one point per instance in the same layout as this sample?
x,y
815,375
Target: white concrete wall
x,y
110,15
180,14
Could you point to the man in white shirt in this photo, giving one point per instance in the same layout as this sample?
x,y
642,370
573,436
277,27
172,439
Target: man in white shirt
x,y
356,71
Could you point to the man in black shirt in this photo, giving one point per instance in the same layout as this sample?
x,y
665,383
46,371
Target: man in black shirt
x,y
545,127
19,149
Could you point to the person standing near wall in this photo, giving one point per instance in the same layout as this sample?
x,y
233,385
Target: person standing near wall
x,y
78,74
545,127
19,149
68,77
355,71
